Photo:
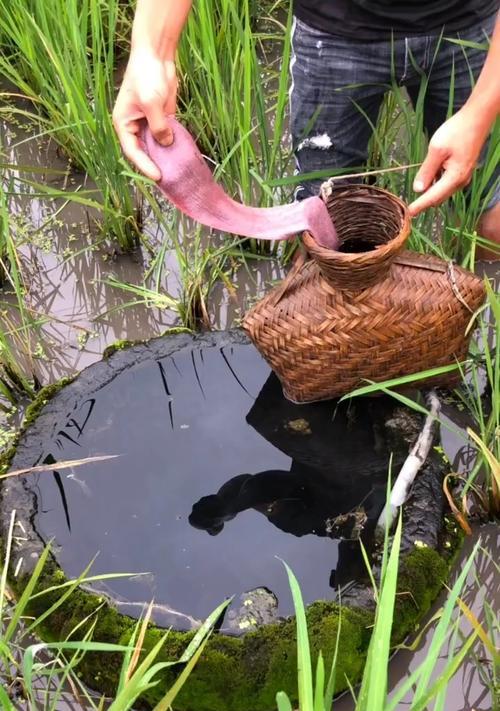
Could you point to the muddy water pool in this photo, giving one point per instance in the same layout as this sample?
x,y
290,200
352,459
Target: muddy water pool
x,y
217,477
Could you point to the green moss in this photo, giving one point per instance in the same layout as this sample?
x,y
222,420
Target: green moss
x,y
239,673
120,345
421,577
7,455
32,412
42,398
452,537
176,329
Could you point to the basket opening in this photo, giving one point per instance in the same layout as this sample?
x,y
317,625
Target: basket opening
x,y
357,245
364,218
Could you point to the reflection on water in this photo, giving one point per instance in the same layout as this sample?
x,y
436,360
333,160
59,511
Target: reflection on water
x,y
217,477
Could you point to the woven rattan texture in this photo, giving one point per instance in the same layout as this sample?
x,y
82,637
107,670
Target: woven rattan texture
x,y
365,217
323,340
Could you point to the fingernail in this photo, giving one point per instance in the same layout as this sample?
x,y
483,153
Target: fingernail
x,y
166,137
418,186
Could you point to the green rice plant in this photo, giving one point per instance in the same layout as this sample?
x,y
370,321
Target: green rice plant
x,y
44,673
450,230
486,659
61,56
15,379
20,326
480,395
424,686
200,267
234,94
202,260
398,139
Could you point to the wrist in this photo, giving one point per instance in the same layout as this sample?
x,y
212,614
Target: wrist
x,y
143,58
161,49
482,111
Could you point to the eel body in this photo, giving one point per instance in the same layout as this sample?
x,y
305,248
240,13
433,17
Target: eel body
x,y
188,183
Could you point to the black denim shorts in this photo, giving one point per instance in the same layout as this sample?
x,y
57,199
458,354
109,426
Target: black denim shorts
x,y
338,85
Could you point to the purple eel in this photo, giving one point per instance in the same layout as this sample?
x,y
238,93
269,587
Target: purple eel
x,y
188,183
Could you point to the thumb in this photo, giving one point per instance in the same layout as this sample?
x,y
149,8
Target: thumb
x,y
158,123
429,169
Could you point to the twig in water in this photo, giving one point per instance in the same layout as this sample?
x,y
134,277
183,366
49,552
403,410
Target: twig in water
x,y
50,466
412,465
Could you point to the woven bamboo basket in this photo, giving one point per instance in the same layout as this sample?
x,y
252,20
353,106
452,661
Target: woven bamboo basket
x,y
370,311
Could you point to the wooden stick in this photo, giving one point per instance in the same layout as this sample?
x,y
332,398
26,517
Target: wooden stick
x,y
412,465
370,172
67,464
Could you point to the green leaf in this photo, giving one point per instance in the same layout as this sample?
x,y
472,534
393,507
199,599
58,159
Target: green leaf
x,y
7,704
330,687
191,656
450,670
304,670
23,601
319,688
373,691
403,380
283,702
34,649
419,680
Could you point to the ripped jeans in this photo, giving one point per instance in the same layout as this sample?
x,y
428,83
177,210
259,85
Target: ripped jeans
x,y
338,85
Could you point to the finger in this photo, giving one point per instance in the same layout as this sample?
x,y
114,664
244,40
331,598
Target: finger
x,y
171,105
435,195
158,122
132,148
429,169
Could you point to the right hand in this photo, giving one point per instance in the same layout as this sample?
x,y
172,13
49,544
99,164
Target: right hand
x,y
148,91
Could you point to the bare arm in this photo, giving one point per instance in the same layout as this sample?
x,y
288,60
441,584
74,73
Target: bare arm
x,y
149,87
454,148
158,25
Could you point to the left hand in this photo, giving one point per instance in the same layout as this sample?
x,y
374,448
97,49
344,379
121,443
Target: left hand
x,y
148,91
452,155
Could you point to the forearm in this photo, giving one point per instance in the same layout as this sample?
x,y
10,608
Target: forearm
x,y
158,25
484,100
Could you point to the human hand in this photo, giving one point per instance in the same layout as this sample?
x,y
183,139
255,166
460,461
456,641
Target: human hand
x,y
148,91
453,152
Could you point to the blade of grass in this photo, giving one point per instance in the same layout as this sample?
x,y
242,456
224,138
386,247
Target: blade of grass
x,y
373,691
304,671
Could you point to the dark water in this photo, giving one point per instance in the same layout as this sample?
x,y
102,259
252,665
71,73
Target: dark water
x,y
218,476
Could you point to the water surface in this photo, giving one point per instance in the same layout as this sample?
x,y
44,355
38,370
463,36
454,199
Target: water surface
x,y
217,478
